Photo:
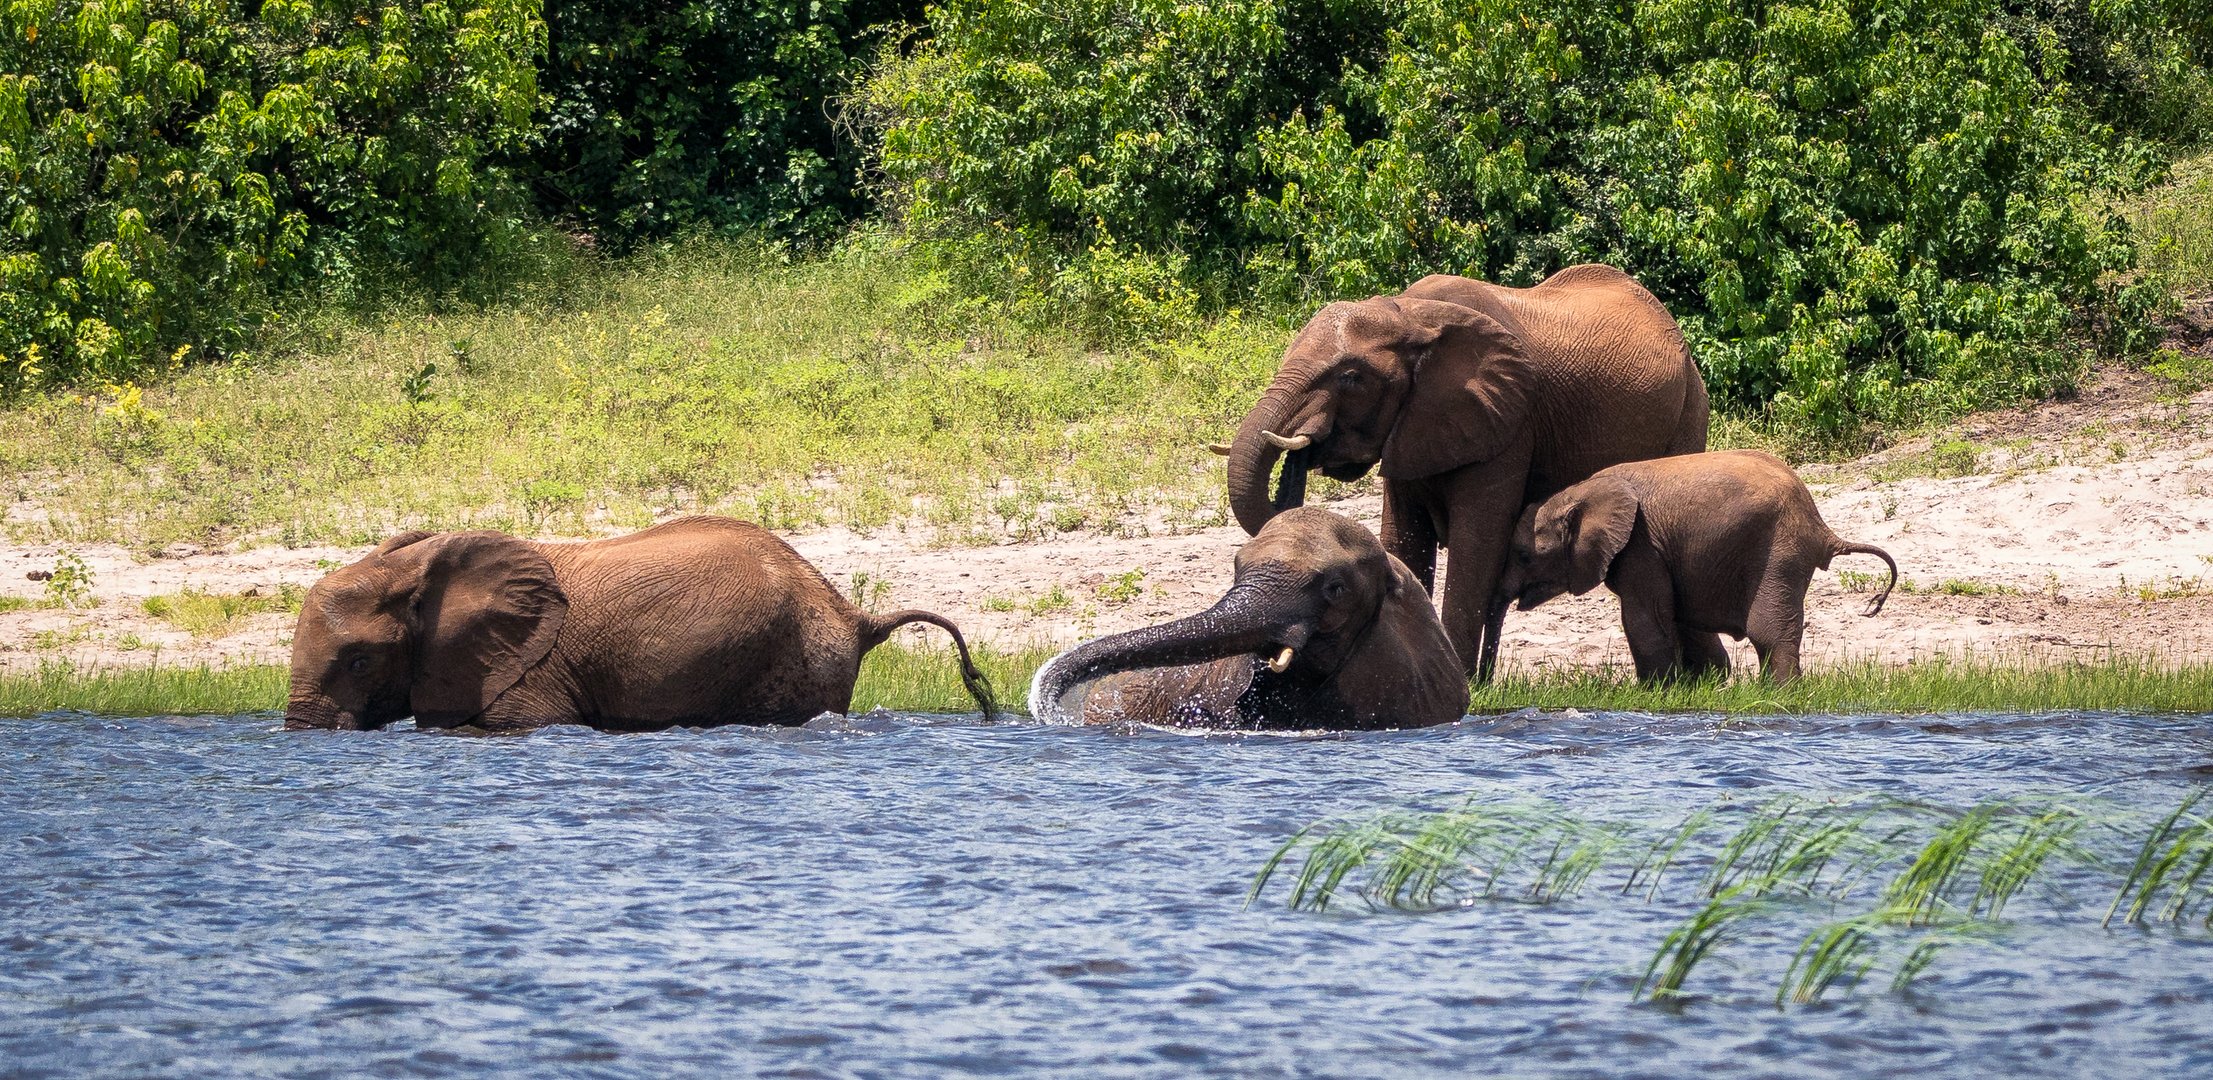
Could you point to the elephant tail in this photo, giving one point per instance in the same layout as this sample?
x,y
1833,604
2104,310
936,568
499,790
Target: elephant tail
x,y
1846,547
876,628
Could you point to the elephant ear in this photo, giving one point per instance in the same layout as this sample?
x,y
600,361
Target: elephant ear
x,y
1471,395
1600,520
1405,658
485,609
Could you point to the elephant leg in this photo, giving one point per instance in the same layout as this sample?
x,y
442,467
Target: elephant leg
x,y
1485,501
1652,643
1640,579
1409,535
1777,622
1703,653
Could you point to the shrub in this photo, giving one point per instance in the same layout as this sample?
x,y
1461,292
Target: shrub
x,y
714,112
2144,66
1858,208
169,166
1109,123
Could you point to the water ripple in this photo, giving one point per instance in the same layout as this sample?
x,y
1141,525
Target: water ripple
x,y
889,896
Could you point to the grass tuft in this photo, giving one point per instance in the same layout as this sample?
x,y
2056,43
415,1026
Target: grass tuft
x,y
210,615
59,686
1948,874
926,679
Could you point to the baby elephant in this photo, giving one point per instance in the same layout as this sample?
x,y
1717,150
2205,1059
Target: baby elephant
x,y
1701,544
701,621
1322,629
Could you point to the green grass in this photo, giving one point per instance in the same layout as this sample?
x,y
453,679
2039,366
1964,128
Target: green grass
x,y
211,615
865,387
2026,682
2174,225
148,691
926,679
1948,457
892,677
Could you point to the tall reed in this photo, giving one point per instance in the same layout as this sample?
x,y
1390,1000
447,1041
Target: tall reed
x,y
1894,883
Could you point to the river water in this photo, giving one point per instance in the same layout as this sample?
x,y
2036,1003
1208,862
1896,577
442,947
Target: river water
x,y
893,897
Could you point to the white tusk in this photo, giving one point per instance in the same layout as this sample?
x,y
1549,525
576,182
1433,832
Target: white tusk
x,y
1221,448
1282,661
1281,443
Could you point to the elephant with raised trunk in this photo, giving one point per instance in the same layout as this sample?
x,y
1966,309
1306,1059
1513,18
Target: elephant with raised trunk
x,y
1321,629
697,622
1477,400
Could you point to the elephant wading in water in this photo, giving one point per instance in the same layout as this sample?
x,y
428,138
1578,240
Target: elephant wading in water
x,y
1723,542
1477,400
1322,629
697,622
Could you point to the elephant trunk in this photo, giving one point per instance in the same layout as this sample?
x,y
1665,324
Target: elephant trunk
x,y
1243,621
314,712
1252,456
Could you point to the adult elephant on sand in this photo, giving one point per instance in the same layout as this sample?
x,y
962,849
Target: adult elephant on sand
x,y
696,622
1477,400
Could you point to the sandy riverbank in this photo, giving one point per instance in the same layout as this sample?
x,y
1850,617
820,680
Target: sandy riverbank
x,y
2074,526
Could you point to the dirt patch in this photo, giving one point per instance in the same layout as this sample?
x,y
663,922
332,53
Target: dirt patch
x,y
2074,526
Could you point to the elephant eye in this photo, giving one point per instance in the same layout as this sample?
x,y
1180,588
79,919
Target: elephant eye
x,y
1333,588
1349,376
358,665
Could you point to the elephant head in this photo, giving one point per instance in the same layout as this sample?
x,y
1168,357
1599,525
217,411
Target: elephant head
x,y
433,625
1567,543
1321,625
1422,386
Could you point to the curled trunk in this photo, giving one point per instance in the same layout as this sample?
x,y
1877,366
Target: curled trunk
x,y
1252,458
1241,622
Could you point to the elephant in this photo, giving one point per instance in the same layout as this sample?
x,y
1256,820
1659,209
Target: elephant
x,y
1321,629
1723,543
696,622
1477,400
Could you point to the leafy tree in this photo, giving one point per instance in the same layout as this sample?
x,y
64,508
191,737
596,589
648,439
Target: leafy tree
x,y
717,112
167,166
1858,208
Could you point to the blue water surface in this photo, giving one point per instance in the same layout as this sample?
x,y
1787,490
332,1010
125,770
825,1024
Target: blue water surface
x,y
905,896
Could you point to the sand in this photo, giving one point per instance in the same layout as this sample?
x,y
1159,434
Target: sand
x,y
2086,525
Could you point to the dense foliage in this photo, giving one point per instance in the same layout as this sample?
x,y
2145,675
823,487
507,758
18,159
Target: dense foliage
x,y
710,112
2144,66
166,166
1857,207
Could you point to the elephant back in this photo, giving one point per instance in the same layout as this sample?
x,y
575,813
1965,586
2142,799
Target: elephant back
x,y
1617,381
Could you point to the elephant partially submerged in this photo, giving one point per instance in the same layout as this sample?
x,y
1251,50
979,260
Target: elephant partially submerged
x,y
697,622
1477,400
1322,629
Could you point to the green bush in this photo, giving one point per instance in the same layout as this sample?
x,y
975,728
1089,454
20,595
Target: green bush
x,y
712,112
1111,123
2144,66
169,167
1858,208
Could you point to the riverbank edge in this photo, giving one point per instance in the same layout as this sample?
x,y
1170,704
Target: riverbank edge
x,y
925,680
